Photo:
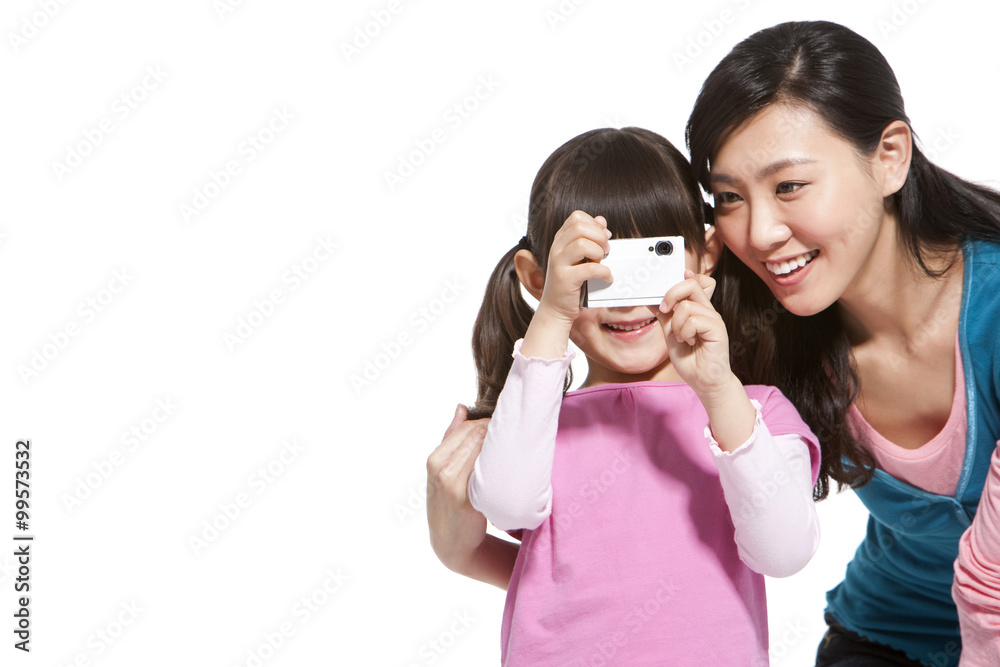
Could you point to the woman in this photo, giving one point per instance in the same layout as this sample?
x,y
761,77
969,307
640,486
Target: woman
x,y
859,278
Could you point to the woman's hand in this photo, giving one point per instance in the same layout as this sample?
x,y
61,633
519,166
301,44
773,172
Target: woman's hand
x,y
575,257
457,530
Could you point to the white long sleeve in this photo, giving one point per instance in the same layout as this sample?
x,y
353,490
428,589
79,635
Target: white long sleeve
x,y
511,483
767,482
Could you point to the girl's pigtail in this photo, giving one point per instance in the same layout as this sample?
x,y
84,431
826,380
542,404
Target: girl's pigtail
x,y
503,319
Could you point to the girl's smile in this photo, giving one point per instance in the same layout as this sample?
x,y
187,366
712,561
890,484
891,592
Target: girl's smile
x,y
629,330
622,345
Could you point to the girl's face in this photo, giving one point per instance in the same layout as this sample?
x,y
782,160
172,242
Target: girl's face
x,y
802,208
624,344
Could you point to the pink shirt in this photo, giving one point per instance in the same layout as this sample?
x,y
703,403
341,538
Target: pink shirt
x,y
936,465
637,558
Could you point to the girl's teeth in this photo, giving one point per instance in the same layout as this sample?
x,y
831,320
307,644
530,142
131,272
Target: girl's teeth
x,y
792,264
628,327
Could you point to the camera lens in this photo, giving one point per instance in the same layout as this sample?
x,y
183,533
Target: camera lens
x,y
664,247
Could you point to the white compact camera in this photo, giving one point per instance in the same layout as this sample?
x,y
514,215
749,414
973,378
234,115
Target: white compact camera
x,y
643,271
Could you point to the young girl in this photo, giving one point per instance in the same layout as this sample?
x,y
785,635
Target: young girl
x,y
651,499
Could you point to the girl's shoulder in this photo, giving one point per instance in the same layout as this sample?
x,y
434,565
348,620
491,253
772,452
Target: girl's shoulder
x,y
777,410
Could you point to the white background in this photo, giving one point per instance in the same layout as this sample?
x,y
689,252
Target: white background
x,y
341,521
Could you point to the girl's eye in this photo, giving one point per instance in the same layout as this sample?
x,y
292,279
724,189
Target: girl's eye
x,y
788,187
726,197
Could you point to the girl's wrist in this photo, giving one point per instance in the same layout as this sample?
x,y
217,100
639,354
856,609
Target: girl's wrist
x,y
731,415
547,336
552,315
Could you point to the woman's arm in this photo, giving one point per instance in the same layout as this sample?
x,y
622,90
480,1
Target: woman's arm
x,y
976,589
457,531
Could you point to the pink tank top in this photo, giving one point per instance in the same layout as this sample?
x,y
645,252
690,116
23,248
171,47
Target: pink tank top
x,y
934,467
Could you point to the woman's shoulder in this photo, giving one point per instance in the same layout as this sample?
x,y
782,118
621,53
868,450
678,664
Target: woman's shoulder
x,y
981,266
981,252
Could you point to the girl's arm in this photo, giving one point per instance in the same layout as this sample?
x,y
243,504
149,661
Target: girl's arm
x,y
976,589
699,352
767,482
511,481
457,531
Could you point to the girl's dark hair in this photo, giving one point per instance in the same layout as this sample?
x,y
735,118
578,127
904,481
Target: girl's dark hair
x,y
843,78
635,178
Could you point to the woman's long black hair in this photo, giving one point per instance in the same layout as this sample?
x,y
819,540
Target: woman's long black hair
x,y
842,77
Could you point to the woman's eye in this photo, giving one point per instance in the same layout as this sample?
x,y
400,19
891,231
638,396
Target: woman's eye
x,y
788,187
726,197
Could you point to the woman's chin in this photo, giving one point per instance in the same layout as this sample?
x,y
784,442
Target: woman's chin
x,y
803,306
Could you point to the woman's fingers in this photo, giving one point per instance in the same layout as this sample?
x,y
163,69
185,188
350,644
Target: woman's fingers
x,y
462,441
461,414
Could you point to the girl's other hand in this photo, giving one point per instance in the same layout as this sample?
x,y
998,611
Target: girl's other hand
x,y
695,334
580,238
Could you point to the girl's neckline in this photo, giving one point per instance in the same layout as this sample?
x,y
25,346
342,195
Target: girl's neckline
x,y
607,386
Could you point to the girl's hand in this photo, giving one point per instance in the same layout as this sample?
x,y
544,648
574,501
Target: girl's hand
x,y
699,351
696,336
580,238
457,530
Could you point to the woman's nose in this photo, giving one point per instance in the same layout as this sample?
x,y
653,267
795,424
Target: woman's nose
x,y
767,231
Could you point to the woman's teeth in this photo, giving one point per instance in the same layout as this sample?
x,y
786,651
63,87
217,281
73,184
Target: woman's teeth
x,y
629,327
792,264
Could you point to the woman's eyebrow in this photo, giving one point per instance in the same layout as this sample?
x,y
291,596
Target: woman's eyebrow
x,y
763,172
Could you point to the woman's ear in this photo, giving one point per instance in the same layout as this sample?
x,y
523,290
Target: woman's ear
x,y
713,249
893,155
529,273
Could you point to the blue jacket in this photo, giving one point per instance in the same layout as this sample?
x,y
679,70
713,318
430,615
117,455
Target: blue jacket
x,y
897,590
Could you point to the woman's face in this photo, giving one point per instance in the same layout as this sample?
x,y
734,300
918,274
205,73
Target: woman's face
x,y
802,208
